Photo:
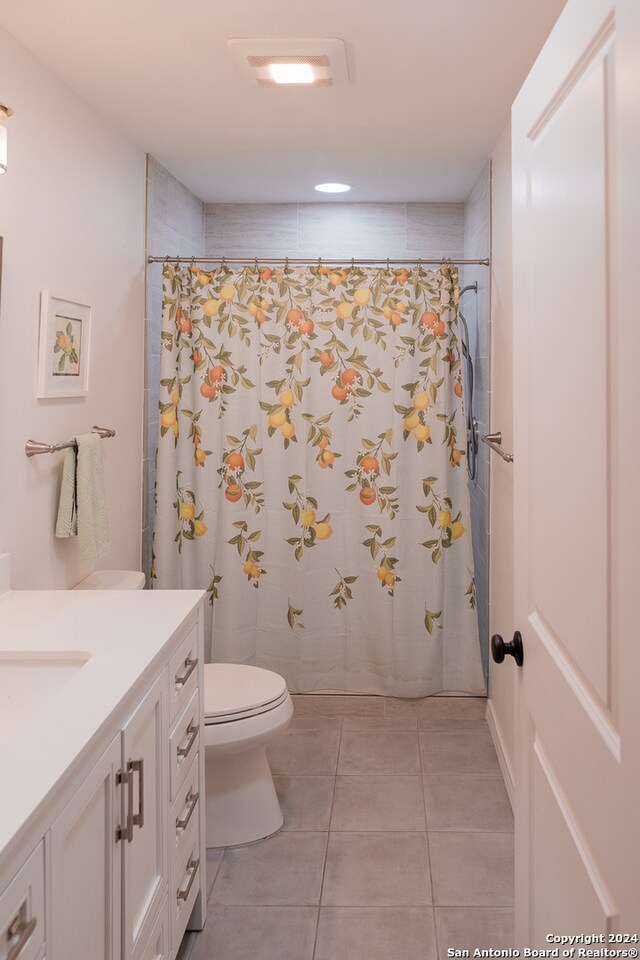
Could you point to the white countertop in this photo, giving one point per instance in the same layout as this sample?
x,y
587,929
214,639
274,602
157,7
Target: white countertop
x,y
123,632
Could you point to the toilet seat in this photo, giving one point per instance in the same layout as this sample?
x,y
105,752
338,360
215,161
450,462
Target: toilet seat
x,y
235,691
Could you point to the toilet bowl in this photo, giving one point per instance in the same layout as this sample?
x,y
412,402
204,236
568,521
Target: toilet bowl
x,y
245,707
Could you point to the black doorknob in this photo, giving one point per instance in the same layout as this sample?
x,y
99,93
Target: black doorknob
x,y
500,649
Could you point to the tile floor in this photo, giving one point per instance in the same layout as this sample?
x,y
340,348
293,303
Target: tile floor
x,y
397,841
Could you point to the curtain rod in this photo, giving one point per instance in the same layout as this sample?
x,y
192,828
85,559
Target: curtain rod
x,y
318,261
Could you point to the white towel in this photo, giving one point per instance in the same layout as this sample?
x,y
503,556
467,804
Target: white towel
x,y
82,509
67,522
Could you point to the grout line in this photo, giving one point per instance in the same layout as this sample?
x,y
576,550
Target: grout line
x,y
426,834
326,848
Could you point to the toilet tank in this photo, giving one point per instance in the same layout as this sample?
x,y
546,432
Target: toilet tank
x,y
112,580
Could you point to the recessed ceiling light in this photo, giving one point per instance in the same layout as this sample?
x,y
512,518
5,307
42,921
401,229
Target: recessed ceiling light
x,y
333,187
291,72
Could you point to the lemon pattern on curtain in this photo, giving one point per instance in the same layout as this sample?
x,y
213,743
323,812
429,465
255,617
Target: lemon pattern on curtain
x,y
310,473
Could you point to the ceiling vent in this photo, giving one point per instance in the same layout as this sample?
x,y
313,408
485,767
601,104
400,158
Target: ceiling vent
x,y
275,63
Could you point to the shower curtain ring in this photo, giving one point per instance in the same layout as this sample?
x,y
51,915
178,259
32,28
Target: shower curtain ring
x,y
255,264
388,265
353,263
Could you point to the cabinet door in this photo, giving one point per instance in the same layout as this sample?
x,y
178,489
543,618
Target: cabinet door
x,y
86,868
145,873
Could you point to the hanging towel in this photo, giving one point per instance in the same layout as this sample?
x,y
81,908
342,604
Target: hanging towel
x,y
82,509
67,522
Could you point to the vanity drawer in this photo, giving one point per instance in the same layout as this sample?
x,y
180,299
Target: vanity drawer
x,y
184,743
185,812
184,887
22,911
157,947
183,673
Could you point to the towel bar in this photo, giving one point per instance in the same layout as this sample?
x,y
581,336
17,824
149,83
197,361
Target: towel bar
x,y
493,440
34,447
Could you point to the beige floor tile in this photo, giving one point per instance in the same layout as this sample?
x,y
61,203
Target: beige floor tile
x,y
214,858
330,724
263,933
436,707
470,927
305,801
376,870
472,869
453,724
379,752
313,750
467,803
379,723
283,870
458,751
323,705
378,803
374,933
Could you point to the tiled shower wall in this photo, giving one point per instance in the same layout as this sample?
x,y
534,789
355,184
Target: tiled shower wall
x,y
175,225
475,307
334,230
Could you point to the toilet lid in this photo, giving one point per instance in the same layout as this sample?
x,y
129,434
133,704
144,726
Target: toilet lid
x,y
233,691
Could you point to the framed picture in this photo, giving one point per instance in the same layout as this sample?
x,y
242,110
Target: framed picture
x,y
63,355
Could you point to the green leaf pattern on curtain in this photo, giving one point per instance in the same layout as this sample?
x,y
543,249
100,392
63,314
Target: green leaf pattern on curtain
x,y
308,415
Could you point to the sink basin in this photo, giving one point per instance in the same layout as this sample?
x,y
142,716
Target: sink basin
x,y
28,680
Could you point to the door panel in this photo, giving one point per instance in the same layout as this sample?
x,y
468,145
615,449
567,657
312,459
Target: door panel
x,y
569,786
561,855
86,883
145,738
569,374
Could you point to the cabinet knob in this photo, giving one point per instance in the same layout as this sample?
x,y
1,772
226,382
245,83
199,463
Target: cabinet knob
x,y
500,649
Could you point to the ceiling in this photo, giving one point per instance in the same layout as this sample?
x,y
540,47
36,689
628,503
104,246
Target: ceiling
x,y
432,82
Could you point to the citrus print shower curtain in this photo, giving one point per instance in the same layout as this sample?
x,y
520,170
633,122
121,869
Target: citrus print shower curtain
x,y
311,474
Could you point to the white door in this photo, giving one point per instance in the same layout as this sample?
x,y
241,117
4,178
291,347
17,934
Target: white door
x,y
145,746
576,822
85,902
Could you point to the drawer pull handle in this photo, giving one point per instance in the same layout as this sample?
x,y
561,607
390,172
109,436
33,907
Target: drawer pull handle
x,y
192,730
192,867
137,766
22,929
190,664
191,802
126,779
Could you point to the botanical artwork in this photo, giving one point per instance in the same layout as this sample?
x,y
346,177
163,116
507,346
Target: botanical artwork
x,y
63,349
311,473
66,347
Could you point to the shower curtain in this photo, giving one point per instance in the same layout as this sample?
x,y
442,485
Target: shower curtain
x,y
310,474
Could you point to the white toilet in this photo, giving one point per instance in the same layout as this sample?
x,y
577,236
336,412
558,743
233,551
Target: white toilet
x,y
112,580
245,707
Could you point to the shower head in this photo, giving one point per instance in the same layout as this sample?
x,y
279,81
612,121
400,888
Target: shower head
x,y
470,286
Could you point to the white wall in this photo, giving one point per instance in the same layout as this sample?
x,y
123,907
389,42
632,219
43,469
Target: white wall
x,y
72,218
502,677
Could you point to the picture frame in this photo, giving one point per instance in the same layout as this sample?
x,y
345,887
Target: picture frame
x,y
63,352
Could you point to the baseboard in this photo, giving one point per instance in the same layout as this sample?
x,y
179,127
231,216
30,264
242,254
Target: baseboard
x,y
505,766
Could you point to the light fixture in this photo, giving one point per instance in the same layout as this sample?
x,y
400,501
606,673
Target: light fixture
x,y
287,61
291,72
5,113
332,187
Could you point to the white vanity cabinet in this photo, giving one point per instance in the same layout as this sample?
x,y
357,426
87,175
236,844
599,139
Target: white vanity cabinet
x,y
118,869
84,892
144,833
